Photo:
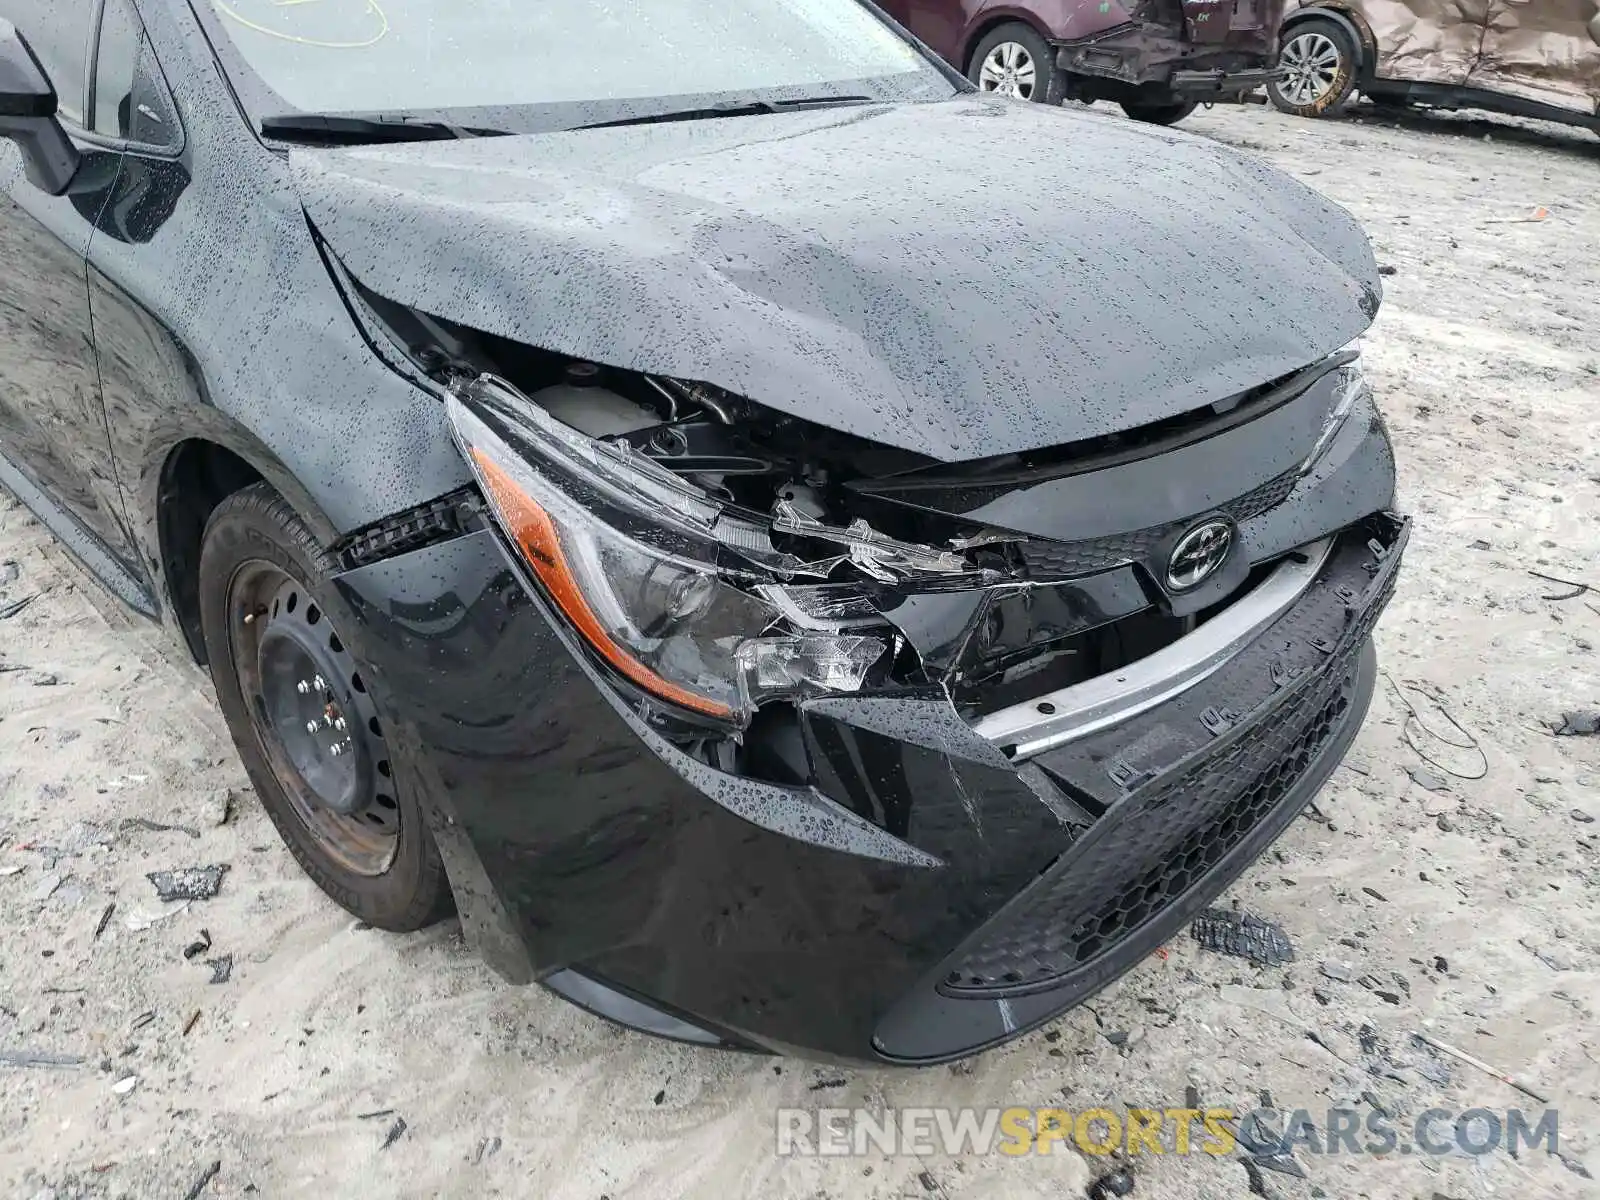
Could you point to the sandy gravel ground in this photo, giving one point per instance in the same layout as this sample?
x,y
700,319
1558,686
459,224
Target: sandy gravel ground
x,y
1471,912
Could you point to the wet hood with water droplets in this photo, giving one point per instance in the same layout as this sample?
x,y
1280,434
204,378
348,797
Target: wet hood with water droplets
x,y
959,279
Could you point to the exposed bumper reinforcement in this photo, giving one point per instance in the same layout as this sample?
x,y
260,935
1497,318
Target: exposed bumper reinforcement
x,y
1024,730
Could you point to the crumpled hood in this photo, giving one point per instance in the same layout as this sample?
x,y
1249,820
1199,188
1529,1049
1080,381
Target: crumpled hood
x,y
960,279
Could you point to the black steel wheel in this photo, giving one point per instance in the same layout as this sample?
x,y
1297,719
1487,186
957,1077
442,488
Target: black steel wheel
x,y
304,718
315,719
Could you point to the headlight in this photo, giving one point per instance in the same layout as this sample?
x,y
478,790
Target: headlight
x,y
672,622
1350,385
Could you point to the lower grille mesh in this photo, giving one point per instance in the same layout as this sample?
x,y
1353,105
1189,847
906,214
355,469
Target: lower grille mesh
x,y
1160,841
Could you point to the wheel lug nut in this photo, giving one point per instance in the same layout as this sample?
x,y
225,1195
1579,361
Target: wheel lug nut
x,y
319,683
337,749
302,687
311,726
339,724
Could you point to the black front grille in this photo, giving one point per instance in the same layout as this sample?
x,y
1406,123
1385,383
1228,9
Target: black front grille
x,y
1162,837
1152,848
1051,560
1069,559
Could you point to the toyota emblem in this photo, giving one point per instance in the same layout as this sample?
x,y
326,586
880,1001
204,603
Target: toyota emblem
x,y
1198,554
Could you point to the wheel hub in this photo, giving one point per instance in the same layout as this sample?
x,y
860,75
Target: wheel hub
x,y
308,718
1009,70
1311,63
317,724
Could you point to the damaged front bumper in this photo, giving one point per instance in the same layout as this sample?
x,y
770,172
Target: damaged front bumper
x,y
889,875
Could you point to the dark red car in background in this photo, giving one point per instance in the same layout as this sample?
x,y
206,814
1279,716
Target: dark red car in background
x,y
1157,58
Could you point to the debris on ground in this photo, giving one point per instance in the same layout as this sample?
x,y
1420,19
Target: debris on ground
x,y
157,826
1283,1164
194,1019
219,807
1257,1182
1463,1056
1539,213
1573,1165
105,918
1578,587
488,1148
1118,1183
221,968
1242,936
125,1085
1428,780
46,887
206,1176
1577,724
1414,725
38,1058
395,1130
188,883
199,946
138,922
10,610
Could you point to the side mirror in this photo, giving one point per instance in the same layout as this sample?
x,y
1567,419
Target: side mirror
x,y
28,115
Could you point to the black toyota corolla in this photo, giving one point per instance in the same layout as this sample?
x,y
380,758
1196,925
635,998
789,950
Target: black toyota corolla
x,y
798,555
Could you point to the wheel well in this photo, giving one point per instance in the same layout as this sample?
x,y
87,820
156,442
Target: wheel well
x,y
198,476
1366,44
988,27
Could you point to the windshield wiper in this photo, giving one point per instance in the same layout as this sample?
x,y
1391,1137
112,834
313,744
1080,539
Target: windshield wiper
x,y
735,108
354,128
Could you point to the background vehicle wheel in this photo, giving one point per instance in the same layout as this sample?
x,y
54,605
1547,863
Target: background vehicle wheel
x,y
304,722
1320,59
1014,61
1161,114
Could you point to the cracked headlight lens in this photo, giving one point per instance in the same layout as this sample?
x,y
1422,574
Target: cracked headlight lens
x,y
674,625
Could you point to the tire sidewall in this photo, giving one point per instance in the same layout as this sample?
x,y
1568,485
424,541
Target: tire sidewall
x,y
1025,36
255,525
1331,102
1161,114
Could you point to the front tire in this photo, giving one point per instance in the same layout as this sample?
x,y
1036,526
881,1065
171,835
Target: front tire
x,y
1320,59
1012,60
1160,114
305,724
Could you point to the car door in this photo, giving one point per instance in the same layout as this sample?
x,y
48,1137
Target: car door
x,y
52,424
1425,41
1544,50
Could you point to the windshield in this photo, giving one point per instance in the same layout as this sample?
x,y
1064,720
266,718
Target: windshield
x,y
587,58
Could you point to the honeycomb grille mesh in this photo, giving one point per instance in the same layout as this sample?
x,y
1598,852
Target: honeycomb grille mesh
x,y
1160,841
1068,559
1159,846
